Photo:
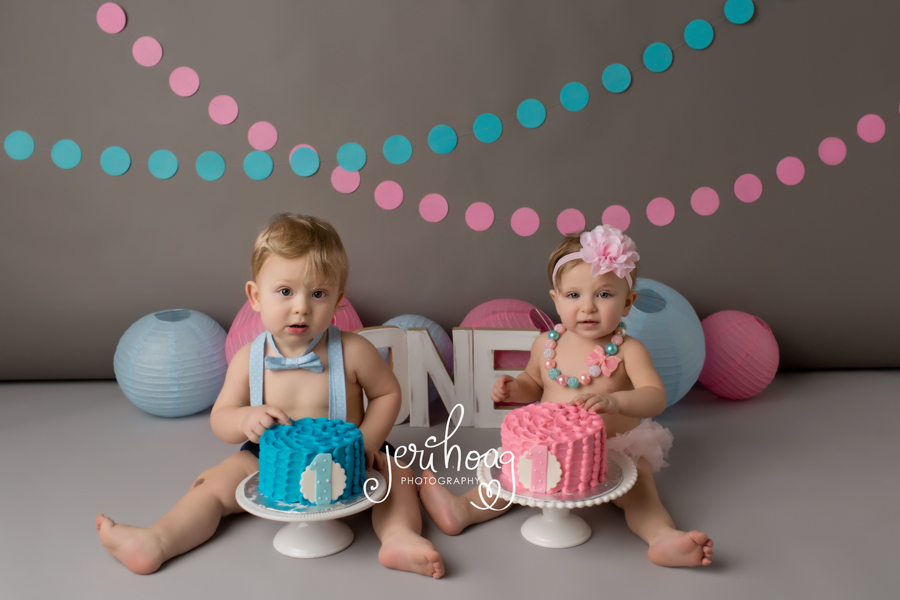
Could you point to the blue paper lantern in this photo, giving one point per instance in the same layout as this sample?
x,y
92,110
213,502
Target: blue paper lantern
x,y
667,325
172,363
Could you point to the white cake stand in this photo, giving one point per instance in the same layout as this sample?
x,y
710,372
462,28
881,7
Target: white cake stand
x,y
311,531
556,527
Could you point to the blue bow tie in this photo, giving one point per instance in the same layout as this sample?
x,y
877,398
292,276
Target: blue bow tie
x,y
308,361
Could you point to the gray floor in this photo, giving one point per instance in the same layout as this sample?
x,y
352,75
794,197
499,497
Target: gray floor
x,y
798,488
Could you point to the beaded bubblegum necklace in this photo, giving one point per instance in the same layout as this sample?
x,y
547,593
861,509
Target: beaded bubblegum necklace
x,y
600,361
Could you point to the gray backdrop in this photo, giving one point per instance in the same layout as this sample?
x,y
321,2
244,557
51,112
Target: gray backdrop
x,y
83,254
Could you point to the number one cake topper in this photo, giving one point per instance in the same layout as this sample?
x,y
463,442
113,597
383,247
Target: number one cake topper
x,y
323,480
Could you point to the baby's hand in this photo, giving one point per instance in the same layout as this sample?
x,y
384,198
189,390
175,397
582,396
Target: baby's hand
x,y
598,404
260,418
375,458
503,387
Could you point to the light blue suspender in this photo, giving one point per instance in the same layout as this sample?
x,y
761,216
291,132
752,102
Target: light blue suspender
x,y
337,386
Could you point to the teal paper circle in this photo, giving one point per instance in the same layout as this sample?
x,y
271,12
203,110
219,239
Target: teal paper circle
x,y
531,113
487,128
351,156
397,149
66,154
698,34
739,11
442,139
115,161
305,162
574,96
258,165
19,145
616,78
210,165
163,164
657,57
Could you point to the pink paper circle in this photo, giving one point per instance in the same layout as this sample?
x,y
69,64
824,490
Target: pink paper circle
x,y
479,216
111,17
660,211
790,170
263,136
146,51
748,188
294,149
346,182
832,151
525,222
870,128
388,195
570,221
617,216
433,208
223,109
184,81
705,201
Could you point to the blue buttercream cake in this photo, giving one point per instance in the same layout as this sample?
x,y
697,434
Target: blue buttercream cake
x,y
311,454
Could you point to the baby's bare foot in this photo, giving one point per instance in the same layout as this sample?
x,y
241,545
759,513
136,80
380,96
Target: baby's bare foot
x,y
406,551
446,509
134,547
679,549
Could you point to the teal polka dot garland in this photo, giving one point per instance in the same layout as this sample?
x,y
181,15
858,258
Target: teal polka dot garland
x,y
531,113
698,34
397,150
657,57
66,154
305,162
258,165
442,139
487,128
163,164
19,145
739,11
351,157
210,166
574,96
616,78
115,161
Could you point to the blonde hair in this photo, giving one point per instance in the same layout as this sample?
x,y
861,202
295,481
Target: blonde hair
x,y
571,243
294,236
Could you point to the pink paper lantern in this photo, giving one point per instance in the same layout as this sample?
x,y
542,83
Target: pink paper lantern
x,y
741,355
247,326
506,313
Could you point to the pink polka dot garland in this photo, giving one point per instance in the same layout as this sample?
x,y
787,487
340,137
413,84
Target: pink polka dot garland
x,y
388,195
146,51
525,222
748,188
262,136
298,146
223,110
346,182
184,81
570,221
111,17
870,128
660,211
479,216
790,170
617,216
705,201
433,208
832,151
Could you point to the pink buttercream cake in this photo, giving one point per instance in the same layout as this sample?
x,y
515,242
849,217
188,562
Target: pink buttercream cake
x,y
564,447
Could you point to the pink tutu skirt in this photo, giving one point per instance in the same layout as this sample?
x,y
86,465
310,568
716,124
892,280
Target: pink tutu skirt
x,y
649,440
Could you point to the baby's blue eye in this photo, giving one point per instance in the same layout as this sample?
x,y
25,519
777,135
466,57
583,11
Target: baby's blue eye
x,y
603,294
572,295
284,292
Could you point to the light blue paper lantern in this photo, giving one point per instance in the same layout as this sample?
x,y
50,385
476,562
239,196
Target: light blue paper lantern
x,y
172,363
667,325
441,340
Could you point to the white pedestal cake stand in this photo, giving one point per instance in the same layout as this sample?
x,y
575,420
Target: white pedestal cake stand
x,y
311,531
556,527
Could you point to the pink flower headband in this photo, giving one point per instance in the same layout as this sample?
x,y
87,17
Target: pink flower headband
x,y
605,249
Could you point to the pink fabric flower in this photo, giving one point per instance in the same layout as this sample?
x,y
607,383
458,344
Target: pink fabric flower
x,y
608,249
607,363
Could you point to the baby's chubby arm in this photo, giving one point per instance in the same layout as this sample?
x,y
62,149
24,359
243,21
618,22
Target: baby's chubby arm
x,y
377,379
233,420
526,387
647,399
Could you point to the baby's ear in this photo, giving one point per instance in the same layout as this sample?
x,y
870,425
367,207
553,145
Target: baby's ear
x,y
553,295
629,302
252,294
